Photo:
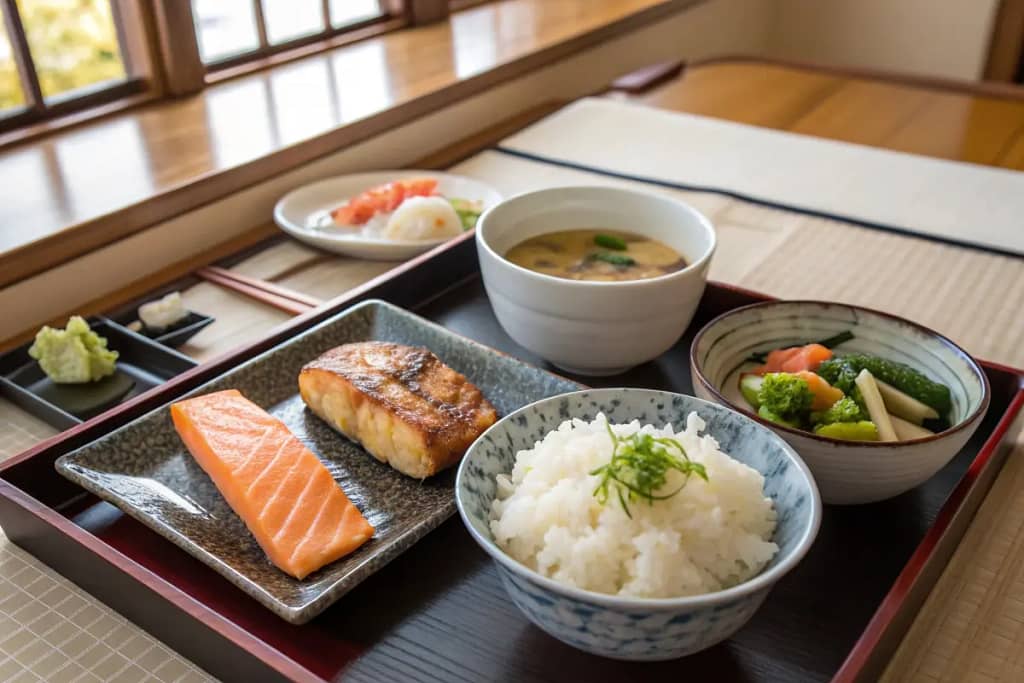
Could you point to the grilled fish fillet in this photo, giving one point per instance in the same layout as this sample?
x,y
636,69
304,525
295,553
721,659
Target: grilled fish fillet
x,y
405,406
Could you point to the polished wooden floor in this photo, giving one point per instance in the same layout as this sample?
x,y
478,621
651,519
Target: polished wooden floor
x,y
879,113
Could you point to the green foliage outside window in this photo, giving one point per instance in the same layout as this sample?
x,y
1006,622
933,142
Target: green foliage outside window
x,y
73,43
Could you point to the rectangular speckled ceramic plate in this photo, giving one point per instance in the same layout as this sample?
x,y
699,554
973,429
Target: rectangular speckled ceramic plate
x,y
144,469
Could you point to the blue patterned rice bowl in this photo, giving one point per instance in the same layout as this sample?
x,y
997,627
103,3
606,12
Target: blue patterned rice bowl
x,y
625,627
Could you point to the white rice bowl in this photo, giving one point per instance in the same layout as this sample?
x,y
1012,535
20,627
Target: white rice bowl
x,y
708,537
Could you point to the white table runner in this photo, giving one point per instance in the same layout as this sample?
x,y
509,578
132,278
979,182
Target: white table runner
x,y
955,201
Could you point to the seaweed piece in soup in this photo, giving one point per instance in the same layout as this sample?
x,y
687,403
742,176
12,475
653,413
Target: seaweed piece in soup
x,y
599,255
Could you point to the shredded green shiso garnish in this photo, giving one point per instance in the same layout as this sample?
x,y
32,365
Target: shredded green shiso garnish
x,y
614,259
610,242
639,467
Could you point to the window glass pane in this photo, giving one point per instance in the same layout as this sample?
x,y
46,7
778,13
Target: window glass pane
x,y
362,80
350,11
225,28
309,82
11,95
73,43
291,19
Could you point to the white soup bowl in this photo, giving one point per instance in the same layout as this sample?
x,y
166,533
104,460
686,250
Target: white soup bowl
x,y
588,327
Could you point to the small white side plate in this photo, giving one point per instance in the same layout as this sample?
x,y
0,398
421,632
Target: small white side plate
x,y
295,212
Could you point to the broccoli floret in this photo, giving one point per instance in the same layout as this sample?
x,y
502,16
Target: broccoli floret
x,y
858,398
786,397
843,410
840,373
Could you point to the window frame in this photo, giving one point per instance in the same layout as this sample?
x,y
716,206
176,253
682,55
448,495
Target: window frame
x,y
36,109
265,50
459,5
160,51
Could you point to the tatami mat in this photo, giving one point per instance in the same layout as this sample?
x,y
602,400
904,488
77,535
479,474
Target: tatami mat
x,y
972,626
19,430
51,630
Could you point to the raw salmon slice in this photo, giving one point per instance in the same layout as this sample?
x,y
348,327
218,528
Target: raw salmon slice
x,y
383,198
279,488
795,359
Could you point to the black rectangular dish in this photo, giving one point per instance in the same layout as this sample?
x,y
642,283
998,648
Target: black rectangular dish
x,y
439,612
141,365
176,334
127,315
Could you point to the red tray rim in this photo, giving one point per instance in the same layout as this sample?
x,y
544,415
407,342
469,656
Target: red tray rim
x,y
851,670
857,660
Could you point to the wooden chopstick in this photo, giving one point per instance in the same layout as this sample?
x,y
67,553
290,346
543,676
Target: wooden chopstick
x,y
279,297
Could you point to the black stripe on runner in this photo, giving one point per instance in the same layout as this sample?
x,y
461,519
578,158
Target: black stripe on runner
x,y
908,232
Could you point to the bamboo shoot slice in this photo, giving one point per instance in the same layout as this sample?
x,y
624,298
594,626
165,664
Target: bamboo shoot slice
x,y
904,405
906,431
875,405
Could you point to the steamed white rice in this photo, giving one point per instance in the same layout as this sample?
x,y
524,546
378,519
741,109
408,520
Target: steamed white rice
x,y
709,536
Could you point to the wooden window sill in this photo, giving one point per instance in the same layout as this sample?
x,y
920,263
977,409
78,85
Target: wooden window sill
x,y
83,188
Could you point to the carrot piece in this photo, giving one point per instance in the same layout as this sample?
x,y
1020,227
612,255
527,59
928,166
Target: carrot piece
x,y
824,393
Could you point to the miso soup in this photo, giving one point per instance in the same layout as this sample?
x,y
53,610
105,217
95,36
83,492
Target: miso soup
x,y
588,254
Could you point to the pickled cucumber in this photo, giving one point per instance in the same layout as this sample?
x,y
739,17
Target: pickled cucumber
x,y
750,387
842,371
849,431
